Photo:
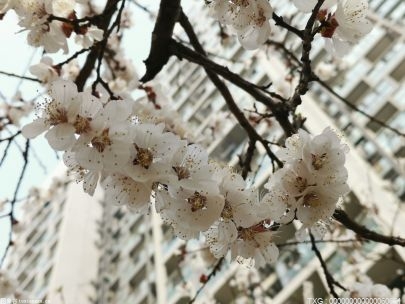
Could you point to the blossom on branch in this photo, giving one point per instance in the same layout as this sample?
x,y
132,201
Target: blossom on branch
x,y
138,162
248,18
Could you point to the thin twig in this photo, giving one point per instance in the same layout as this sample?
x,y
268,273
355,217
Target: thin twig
x,y
14,200
226,94
306,72
354,107
280,22
216,268
280,110
329,278
364,232
20,77
321,241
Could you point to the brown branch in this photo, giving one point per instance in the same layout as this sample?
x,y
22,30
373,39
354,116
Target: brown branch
x,y
74,56
102,49
246,168
354,107
332,91
14,200
11,137
280,22
322,241
159,54
20,77
5,152
364,232
329,278
91,59
213,272
280,110
143,8
306,72
226,94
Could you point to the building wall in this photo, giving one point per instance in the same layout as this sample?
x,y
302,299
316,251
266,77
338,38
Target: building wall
x,y
55,256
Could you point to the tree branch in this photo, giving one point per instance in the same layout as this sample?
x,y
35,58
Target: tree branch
x,y
280,110
280,22
91,59
364,232
354,107
306,72
223,89
329,278
20,77
159,54
216,268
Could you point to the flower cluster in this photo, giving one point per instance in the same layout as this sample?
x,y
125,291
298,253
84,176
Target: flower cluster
x,y
51,22
8,285
342,22
312,181
248,18
12,112
368,289
141,162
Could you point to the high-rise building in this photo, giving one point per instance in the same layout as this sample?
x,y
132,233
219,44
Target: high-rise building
x,y
373,82
55,256
137,258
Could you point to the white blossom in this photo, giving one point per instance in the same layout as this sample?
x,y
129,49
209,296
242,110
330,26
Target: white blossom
x,y
45,71
8,285
254,247
122,190
57,116
307,6
91,35
369,290
189,211
351,16
248,18
151,152
312,181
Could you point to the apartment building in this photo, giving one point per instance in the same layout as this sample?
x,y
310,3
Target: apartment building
x,y
373,81
55,256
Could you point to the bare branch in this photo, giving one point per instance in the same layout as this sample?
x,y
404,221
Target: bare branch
x,y
280,110
20,77
213,272
280,22
329,278
306,72
354,107
169,12
223,89
91,59
364,232
14,200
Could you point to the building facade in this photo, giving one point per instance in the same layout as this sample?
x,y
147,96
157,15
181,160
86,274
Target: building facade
x,y
373,81
55,256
